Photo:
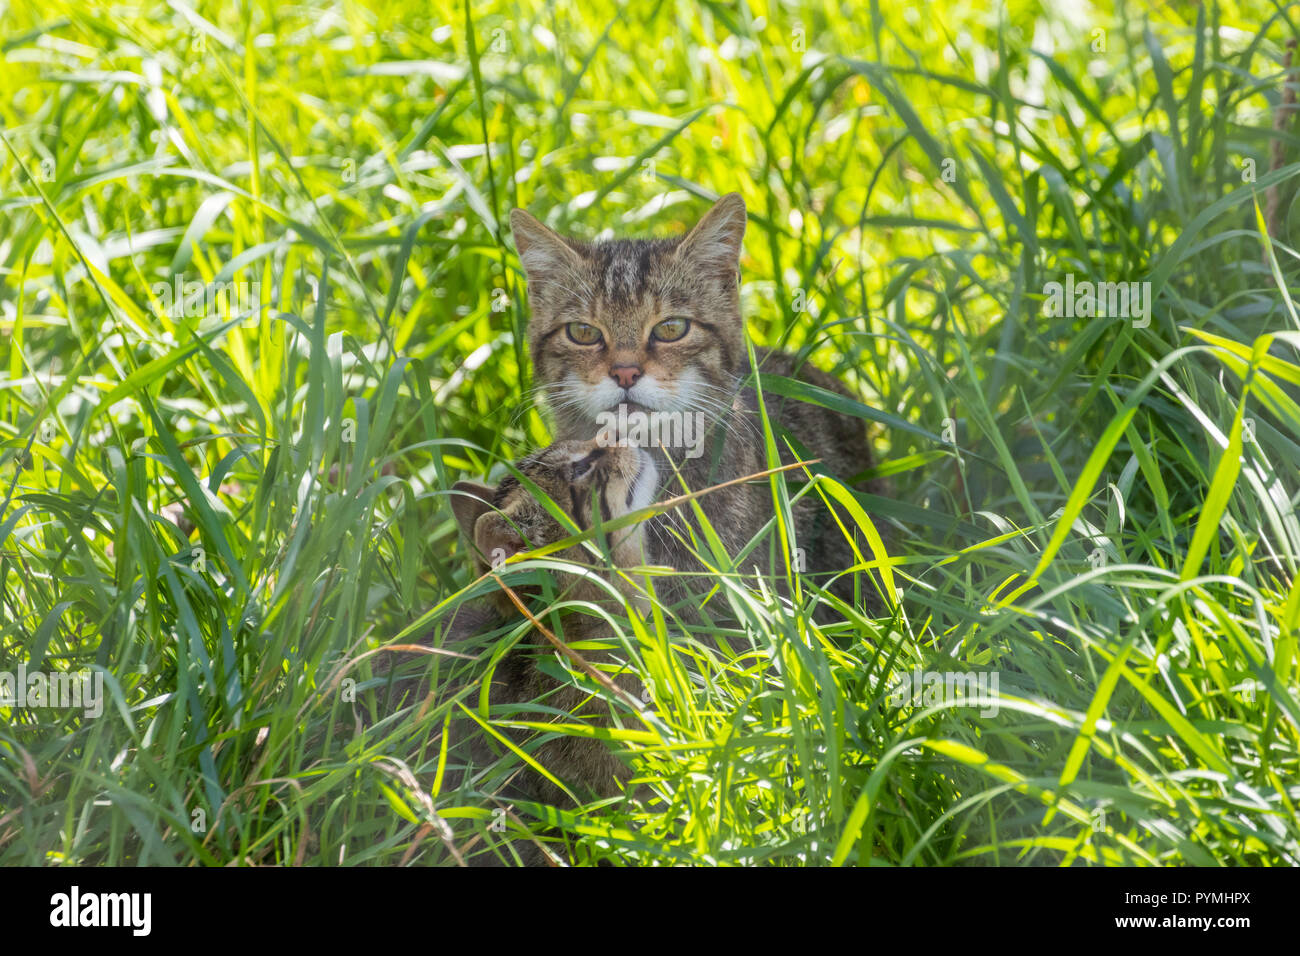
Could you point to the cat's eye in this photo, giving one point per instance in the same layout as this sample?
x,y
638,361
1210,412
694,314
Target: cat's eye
x,y
670,330
582,333
583,465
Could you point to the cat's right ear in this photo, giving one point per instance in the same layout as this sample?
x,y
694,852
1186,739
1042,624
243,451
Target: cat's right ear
x,y
714,245
469,502
542,250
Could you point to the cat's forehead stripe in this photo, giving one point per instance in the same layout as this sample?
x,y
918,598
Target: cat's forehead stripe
x,y
626,266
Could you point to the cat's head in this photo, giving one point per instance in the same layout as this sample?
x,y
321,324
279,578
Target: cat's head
x,y
653,324
590,482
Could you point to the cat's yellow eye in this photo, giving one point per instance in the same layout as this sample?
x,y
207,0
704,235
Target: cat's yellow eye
x,y
583,334
670,330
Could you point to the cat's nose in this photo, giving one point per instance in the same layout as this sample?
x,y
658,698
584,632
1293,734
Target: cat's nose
x,y
625,375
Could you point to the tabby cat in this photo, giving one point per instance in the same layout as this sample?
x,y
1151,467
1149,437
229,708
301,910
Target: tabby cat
x,y
654,325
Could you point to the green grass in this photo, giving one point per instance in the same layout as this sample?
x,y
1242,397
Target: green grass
x,y
1103,513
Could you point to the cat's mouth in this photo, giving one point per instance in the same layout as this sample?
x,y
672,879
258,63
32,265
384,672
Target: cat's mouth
x,y
629,407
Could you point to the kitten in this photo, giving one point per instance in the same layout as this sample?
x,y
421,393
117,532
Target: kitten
x,y
591,484
654,325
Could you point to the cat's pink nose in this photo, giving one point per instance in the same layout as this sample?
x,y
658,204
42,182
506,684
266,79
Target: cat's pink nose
x,y
625,375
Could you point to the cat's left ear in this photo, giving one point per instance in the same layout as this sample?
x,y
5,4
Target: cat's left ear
x,y
715,242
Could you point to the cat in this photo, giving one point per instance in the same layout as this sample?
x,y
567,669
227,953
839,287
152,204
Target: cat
x,y
654,325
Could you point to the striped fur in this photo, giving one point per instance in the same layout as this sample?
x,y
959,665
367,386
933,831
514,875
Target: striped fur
x,y
624,288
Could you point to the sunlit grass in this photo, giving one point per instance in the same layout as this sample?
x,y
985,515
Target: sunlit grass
x,y
222,511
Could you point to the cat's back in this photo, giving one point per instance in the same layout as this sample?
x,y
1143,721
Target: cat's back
x,y
838,439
